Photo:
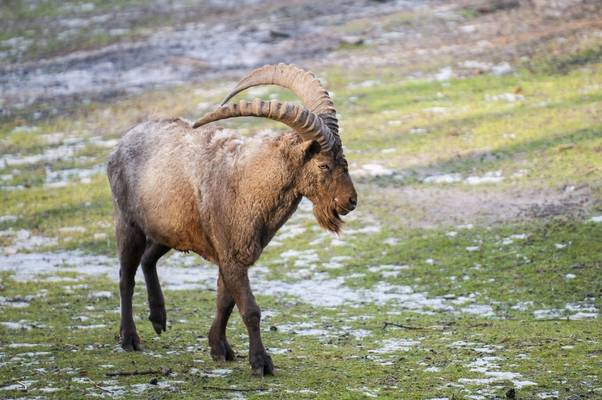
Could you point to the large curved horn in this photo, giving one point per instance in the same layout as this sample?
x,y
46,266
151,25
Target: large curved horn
x,y
303,83
307,124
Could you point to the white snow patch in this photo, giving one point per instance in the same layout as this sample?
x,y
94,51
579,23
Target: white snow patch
x,y
501,69
373,170
62,178
388,270
488,367
181,271
217,373
97,326
8,218
546,314
489,177
100,295
289,231
24,240
444,74
479,309
395,345
18,386
26,345
548,395
276,350
437,110
63,152
522,305
21,325
445,178
573,311
304,329
506,97
72,229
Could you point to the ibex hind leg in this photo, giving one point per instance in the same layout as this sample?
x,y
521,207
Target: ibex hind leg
x,y
156,302
220,348
130,244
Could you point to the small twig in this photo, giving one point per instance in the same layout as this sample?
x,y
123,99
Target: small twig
x,y
387,324
414,327
163,371
8,383
548,320
229,389
97,386
480,325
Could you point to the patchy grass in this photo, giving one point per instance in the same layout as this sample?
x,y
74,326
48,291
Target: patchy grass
x,y
39,29
342,351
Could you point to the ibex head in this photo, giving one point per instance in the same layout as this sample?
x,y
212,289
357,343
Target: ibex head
x,y
324,178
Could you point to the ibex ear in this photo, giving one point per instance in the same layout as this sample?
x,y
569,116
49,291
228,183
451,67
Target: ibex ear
x,y
308,149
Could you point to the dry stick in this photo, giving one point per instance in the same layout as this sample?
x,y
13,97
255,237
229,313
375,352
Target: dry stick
x,y
410,327
96,385
546,320
132,373
8,383
414,328
260,389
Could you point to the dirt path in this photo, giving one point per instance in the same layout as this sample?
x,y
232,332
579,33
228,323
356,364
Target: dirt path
x,y
431,207
217,42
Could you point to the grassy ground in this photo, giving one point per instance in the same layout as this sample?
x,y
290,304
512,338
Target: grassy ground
x,y
39,29
428,294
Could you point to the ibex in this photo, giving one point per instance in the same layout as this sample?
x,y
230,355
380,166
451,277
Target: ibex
x,y
193,187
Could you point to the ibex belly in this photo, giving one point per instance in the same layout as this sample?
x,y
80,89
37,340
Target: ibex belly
x,y
170,216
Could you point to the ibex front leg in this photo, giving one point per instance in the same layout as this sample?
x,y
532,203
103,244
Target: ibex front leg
x,y
237,282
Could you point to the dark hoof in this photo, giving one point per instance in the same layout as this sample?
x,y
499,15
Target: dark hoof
x,y
221,351
130,342
262,365
158,317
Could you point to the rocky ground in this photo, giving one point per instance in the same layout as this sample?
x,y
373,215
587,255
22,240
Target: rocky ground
x,y
470,270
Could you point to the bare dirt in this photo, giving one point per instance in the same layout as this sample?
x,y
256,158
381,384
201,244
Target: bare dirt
x,y
222,39
430,207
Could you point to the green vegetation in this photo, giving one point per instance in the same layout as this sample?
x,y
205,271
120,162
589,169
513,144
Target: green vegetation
x,y
53,28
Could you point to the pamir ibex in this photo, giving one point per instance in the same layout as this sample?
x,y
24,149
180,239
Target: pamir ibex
x,y
197,187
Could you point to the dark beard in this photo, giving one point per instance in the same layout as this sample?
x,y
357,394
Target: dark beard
x,y
328,217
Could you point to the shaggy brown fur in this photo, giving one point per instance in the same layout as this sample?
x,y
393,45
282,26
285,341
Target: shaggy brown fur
x,y
222,196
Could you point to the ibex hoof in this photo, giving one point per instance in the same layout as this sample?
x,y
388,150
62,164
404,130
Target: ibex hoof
x,y
130,342
262,365
221,351
158,318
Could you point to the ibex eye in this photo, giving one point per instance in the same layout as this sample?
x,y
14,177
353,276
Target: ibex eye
x,y
324,167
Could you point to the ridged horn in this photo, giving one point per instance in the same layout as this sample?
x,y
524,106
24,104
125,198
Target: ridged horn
x,y
307,124
303,83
